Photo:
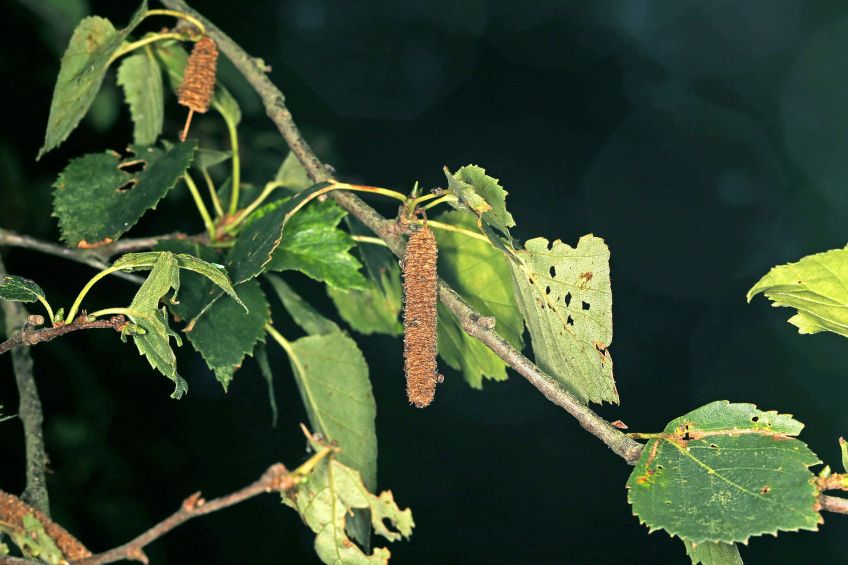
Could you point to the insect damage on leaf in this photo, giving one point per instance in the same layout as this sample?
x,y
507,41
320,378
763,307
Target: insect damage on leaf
x,y
420,317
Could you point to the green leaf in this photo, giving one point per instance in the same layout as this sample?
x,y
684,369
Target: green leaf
x,y
97,201
481,275
215,273
374,309
726,472
314,245
565,296
254,247
19,289
207,158
709,553
154,342
816,286
301,311
84,65
261,356
481,194
332,377
173,58
331,493
141,79
292,175
843,448
33,540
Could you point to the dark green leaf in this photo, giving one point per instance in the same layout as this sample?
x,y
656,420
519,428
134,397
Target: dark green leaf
x,y
566,298
96,201
141,79
19,289
314,245
709,553
301,311
84,65
726,472
481,275
481,194
261,356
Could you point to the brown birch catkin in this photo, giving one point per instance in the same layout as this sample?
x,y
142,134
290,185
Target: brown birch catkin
x,y
420,317
198,79
12,512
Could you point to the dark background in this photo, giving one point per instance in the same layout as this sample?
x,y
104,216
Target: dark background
x,y
705,141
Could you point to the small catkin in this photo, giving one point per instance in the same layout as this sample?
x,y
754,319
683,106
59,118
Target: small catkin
x,y
420,317
12,512
199,76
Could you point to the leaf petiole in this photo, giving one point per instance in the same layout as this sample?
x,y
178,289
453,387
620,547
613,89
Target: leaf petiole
x,y
213,194
179,15
236,174
47,307
201,207
147,40
75,307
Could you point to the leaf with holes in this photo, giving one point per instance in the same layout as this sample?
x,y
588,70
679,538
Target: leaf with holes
x,y
303,314
84,65
816,286
97,200
481,275
481,194
314,245
332,377
726,472
19,289
331,493
709,553
565,296
141,79
154,341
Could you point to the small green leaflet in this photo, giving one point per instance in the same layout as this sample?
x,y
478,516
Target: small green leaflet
x,y
19,289
154,343
301,311
843,448
292,175
33,540
84,65
207,158
314,245
217,274
816,286
141,79
97,201
256,244
726,472
709,553
481,194
566,298
481,275
325,500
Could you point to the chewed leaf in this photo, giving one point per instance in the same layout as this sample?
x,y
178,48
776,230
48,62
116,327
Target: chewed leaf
x,y
97,200
816,287
84,65
36,535
726,472
565,295
326,500
141,79
709,553
481,194
19,289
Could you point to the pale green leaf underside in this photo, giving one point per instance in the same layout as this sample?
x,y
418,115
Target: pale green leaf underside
x,y
565,296
141,78
482,194
19,289
481,275
96,201
709,553
301,311
816,286
83,67
374,309
326,500
726,472
332,377
292,175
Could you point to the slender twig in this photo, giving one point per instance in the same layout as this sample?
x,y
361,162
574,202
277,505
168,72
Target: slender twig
x,y
275,479
277,111
29,410
833,504
29,334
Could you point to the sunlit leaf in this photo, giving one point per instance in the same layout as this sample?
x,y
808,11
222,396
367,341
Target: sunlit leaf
x,y
19,289
566,298
84,65
816,286
726,472
97,200
141,79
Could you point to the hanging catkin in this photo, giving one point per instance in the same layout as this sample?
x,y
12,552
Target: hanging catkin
x,y
199,79
420,317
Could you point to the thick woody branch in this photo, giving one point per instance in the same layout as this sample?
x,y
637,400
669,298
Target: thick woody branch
x,y
31,334
275,479
277,111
